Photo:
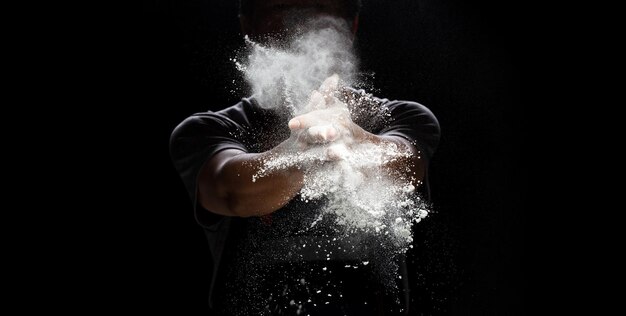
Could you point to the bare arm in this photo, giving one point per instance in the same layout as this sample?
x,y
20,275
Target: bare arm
x,y
225,185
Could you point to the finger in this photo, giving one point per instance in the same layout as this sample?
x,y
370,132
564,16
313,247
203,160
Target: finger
x,y
337,152
322,134
336,114
294,123
305,121
329,85
316,101
334,102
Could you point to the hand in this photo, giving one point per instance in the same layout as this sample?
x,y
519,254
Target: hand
x,y
327,123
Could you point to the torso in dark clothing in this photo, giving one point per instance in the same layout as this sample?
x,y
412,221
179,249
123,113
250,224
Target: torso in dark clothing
x,y
276,264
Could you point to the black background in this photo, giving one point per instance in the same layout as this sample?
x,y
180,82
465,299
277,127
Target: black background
x,y
462,60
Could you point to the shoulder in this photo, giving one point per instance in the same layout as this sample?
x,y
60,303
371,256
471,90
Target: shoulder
x,y
416,117
408,119
394,109
402,109
233,117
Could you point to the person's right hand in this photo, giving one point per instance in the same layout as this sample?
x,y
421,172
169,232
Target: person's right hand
x,y
325,129
323,115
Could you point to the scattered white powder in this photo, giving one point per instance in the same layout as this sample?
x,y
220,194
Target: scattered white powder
x,y
361,197
285,75
361,194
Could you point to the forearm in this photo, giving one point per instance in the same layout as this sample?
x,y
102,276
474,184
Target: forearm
x,y
264,195
226,186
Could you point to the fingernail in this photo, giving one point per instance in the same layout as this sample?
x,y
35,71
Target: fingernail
x,y
294,123
332,133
